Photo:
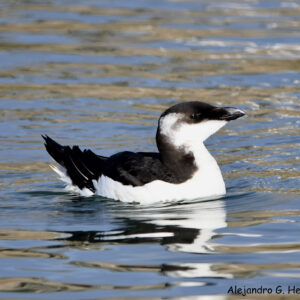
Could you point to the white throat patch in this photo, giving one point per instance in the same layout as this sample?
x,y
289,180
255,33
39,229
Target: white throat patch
x,y
182,134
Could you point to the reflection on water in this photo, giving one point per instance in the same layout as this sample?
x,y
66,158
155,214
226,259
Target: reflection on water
x,y
188,227
98,74
203,242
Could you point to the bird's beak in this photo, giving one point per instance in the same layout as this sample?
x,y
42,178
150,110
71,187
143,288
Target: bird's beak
x,y
231,113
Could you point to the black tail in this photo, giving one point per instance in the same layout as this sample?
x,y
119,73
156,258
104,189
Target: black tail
x,y
81,166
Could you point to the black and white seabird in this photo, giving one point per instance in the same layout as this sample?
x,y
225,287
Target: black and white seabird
x,y
181,169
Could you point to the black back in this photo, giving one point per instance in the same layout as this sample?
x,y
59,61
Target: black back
x,y
129,168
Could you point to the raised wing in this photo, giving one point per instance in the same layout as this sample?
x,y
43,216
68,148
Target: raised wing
x,y
81,166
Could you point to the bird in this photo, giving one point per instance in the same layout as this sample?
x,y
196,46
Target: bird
x,y
182,169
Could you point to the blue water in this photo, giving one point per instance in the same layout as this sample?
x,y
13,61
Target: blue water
x,y
98,74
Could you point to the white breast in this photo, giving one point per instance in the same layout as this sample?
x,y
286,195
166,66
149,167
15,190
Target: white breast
x,y
197,187
207,182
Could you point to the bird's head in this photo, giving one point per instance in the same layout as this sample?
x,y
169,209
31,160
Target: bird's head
x,y
190,123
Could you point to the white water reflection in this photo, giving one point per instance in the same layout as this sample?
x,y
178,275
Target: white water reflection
x,y
197,270
193,224
188,227
200,220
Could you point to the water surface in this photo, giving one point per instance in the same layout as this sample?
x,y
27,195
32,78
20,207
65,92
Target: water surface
x,y
98,74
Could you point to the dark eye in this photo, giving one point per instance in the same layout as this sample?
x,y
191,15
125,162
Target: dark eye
x,y
195,116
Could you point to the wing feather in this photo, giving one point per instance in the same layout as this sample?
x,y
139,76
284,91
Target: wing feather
x,y
81,166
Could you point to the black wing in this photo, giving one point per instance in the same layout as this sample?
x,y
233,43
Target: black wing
x,y
81,166
129,168
137,169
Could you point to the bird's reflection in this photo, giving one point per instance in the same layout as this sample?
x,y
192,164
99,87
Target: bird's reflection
x,y
185,227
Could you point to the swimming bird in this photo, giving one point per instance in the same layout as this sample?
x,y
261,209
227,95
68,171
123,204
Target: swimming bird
x,y
182,169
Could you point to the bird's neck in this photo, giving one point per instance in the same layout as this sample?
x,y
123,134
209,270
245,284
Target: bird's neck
x,y
179,161
184,160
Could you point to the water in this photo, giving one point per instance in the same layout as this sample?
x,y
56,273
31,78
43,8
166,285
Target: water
x,y
98,74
